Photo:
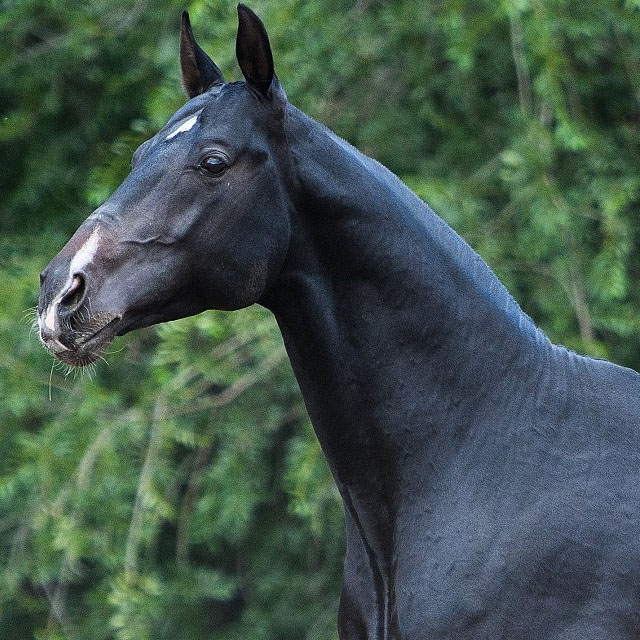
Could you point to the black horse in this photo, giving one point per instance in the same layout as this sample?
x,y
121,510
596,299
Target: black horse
x,y
490,478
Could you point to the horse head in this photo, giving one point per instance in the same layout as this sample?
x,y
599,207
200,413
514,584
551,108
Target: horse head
x,y
201,222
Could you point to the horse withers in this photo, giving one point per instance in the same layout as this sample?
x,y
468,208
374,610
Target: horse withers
x,y
490,479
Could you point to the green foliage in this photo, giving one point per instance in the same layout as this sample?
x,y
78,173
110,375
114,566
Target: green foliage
x,y
179,491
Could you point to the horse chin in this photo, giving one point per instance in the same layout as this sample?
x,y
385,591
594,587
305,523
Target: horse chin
x,y
81,357
89,341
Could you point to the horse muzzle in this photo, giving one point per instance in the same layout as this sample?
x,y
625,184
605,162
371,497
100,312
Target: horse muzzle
x,y
68,327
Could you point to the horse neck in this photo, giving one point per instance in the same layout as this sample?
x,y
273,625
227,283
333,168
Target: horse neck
x,y
397,331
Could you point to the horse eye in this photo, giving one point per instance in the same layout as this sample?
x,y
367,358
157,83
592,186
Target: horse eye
x,y
214,165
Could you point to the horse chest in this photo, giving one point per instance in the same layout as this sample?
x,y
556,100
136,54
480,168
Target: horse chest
x,y
566,561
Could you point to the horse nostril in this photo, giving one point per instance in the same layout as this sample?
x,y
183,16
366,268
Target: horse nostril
x,y
75,294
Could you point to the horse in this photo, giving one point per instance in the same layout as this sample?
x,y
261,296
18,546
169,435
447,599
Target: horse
x,y
490,478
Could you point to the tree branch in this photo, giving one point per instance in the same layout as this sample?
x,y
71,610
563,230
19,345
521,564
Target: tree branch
x,y
520,62
133,539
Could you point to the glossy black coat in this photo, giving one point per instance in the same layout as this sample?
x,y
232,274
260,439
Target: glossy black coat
x,y
489,478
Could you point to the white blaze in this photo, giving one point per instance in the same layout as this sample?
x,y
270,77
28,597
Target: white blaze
x,y
85,254
187,125
79,261
50,318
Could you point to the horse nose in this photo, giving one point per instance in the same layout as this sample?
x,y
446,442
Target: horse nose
x,y
74,297
48,335
56,315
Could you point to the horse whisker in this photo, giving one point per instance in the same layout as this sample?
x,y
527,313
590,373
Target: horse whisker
x,y
51,378
109,353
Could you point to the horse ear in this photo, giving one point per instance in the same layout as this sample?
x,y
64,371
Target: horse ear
x,y
253,50
198,71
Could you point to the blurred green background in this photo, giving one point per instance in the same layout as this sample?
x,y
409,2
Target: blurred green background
x,y
178,491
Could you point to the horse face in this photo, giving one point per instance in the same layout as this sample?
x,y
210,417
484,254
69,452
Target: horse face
x,y
201,222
